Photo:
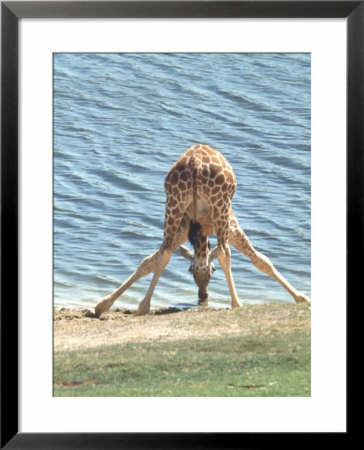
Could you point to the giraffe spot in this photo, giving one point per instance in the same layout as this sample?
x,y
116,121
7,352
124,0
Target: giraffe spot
x,y
174,178
175,211
211,183
224,187
220,179
220,203
182,186
205,172
189,184
206,159
214,170
170,221
215,190
184,176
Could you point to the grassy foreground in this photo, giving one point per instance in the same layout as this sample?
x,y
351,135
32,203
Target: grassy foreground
x,y
260,350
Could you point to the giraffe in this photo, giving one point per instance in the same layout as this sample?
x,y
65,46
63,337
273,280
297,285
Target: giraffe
x,y
199,188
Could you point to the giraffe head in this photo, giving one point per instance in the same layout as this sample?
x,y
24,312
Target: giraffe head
x,y
201,260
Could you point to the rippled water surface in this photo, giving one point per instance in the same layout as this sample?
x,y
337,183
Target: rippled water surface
x,y
121,120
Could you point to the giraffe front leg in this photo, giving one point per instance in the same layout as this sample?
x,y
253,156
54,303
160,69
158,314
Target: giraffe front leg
x,y
147,266
223,256
240,241
144,305
172,240
221,225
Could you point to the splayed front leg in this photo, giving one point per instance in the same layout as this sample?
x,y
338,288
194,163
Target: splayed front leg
x,y
148,265
151,263
223,255
144,306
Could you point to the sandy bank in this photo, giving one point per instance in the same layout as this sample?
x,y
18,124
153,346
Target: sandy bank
x,y
75,329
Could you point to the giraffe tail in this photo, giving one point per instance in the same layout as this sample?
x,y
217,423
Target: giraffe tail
x,y
193,170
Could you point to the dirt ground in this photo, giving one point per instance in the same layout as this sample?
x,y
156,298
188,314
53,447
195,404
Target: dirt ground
x,y
76,329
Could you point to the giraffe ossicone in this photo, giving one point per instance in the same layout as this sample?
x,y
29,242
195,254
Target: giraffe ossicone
x,y
199,187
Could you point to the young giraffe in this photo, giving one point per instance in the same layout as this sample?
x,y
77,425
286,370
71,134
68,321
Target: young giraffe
x,y
199,188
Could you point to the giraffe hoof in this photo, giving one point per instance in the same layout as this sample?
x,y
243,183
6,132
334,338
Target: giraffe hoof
x,y
302,298
236,305
142,310
102,306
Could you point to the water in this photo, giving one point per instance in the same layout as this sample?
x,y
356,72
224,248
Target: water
x,y
120,122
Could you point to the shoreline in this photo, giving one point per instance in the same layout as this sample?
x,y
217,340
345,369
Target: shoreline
x,y
76,329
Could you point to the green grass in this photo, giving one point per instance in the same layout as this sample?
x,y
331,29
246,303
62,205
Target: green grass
x,y
277,365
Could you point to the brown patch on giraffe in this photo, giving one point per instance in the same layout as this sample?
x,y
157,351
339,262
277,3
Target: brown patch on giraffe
x,y
220,179
184,176
214,170
174,178
180,168
205,172
215,190
182,186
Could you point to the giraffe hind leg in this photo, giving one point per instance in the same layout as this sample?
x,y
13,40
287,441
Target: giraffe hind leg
x,y
240,241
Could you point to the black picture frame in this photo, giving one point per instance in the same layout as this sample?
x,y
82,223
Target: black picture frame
x,y
11,12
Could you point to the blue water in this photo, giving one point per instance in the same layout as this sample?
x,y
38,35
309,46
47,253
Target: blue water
x,y
121,120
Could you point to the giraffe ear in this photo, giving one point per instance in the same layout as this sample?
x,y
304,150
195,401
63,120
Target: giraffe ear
x,y
186,253
212,255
